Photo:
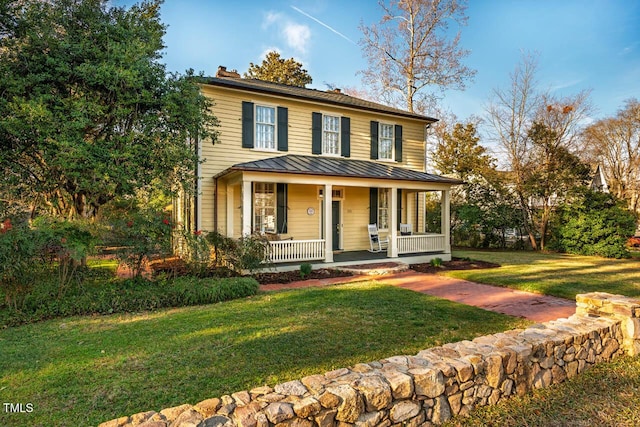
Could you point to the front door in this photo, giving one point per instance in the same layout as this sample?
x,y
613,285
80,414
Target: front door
x,y
335,215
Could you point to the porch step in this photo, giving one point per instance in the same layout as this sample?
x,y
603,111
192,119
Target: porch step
x,y
375,269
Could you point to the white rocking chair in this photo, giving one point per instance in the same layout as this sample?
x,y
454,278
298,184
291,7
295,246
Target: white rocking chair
x,y
377,244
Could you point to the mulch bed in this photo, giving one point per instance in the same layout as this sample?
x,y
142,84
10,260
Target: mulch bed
x,y
454,264
294,276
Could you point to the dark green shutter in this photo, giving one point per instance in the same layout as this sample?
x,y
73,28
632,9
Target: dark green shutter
x,y
398,142
316,133
373,205
399,209
283,129
345,137
281,208
247,124
374,140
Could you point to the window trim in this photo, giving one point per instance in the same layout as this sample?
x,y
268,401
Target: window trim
x,y
254,225
255,126
380,207
338,132
392,140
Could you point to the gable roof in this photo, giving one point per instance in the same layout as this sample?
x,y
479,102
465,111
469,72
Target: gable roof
x,y
331,166
331,98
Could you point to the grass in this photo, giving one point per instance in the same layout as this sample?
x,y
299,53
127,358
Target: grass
x,y
560,275
85,370
606,395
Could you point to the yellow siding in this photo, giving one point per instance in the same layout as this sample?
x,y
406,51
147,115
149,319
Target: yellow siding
x,y
228,151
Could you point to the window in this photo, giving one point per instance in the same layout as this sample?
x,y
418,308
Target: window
x,y
331,135
383,209
265,128
264,207
385,148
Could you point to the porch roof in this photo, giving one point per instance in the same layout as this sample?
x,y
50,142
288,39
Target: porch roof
x,y
331,166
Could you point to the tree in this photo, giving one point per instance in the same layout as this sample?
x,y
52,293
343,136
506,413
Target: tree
x,y
537,133
595,223
278,70
552,174
87,111
459,153
615,144
482,209
410,51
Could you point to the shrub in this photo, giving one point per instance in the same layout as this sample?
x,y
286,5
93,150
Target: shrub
x,y
19,253
197,253
65,246
129,296
305,269
248,253
594,224
142,235
436,262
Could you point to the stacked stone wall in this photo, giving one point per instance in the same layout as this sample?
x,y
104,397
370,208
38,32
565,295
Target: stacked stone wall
x,y
430,387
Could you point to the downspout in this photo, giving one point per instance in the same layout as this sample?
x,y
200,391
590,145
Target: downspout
x,y
197,187
215,204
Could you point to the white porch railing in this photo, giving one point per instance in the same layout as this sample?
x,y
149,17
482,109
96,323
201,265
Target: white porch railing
x,y
296,250
421,243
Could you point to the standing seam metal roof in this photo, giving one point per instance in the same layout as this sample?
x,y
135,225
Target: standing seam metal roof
x,y
330,166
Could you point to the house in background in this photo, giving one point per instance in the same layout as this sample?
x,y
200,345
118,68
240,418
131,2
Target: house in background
x,y
314,169
599,182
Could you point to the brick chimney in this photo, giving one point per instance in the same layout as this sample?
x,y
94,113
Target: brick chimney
x,y
222,72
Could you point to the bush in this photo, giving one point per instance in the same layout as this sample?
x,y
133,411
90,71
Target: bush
x,y
248,253
141,235
436,262
305,269
129,296
19,253
594,224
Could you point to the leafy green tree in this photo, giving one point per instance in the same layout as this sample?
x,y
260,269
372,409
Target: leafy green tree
x,y
482,209
595,223
459,153
87,111
553,175
278,70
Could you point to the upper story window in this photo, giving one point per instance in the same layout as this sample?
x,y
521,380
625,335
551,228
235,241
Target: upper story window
x,y
265,127
386,141
265,136
330,135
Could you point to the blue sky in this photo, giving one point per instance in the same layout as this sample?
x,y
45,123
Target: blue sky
x,y
582,44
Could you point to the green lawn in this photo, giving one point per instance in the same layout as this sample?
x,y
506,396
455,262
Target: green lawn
x,y
605,395
560,275
85,370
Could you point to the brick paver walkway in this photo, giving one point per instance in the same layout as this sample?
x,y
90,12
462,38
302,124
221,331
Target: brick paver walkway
x,y
539,308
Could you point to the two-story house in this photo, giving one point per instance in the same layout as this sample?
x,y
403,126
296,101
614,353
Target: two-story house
x,y
315,168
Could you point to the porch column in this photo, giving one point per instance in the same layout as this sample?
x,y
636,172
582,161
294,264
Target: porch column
x,y
392,251
246,207
230,211
445,219
328,222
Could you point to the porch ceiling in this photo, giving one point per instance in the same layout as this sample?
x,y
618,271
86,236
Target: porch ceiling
x,y
339,167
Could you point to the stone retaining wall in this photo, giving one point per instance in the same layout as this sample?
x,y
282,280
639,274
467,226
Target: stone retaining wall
x,y
432,386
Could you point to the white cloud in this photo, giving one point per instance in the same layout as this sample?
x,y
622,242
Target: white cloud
x,y
297,36
271,18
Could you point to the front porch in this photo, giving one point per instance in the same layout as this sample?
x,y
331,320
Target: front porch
x,y
288,251
348,258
